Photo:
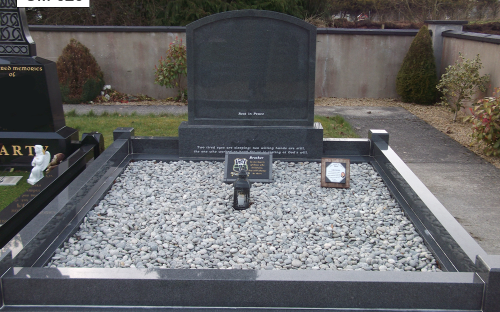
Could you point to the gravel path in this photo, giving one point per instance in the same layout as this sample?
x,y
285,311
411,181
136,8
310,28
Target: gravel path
x,y
177,215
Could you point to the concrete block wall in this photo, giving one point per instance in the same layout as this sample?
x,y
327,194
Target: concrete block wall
x,y
449,40
127,58
489,53
350,63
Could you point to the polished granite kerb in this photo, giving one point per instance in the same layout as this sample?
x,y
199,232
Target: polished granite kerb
x,y
242,288
159,287
39,234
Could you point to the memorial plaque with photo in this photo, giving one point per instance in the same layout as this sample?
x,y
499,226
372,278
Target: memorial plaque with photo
x,y
259,166
335,172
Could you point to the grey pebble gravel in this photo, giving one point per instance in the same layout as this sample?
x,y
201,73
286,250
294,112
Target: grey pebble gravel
x,y
178,215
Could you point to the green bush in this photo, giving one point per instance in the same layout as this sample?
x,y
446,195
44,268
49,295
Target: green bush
x,y
80,77
460,83
173,68
486,123
417,78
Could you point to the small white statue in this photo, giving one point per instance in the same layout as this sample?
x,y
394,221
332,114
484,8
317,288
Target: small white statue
x,y
39,163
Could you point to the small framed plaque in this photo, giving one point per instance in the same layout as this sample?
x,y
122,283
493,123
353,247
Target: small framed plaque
x,y
335,172
259,166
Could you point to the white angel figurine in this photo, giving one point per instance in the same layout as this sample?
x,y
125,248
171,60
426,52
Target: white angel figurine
x,y
39,163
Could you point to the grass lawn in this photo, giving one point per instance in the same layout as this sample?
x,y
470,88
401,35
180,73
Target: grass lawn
x,y
167,125
149,125
9,193
144,125
336,127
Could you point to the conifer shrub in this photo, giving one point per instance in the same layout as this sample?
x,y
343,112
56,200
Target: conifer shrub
x,y
80,77
417,79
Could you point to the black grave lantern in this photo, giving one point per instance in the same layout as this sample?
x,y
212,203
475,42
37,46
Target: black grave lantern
x,y
241,191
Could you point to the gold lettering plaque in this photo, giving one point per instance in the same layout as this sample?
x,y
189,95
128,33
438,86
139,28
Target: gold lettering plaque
x,y
3,151
17,150
13,70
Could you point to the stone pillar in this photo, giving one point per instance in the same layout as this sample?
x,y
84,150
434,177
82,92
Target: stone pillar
x,y
123,133
437,28
488,269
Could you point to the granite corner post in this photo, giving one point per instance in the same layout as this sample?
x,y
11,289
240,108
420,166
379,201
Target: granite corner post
x,y
437,28
380,137
123,133
488,270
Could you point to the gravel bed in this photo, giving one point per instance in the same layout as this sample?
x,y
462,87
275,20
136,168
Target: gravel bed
x,y
178,215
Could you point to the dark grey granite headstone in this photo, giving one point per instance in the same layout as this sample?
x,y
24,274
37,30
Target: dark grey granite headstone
x,y
251,67
31,105
251,86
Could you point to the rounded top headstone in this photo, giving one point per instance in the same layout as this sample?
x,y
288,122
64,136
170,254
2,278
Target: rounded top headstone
x,y
251,68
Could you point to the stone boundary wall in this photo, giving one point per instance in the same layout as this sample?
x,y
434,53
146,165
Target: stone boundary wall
x,y
350,63
359,63
127,55
471,44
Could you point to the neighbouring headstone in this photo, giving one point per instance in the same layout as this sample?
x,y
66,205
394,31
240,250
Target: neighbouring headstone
x,y
31,104
251,81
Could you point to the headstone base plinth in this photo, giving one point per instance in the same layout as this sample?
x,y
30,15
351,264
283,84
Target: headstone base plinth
x,y
196,141
17,148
